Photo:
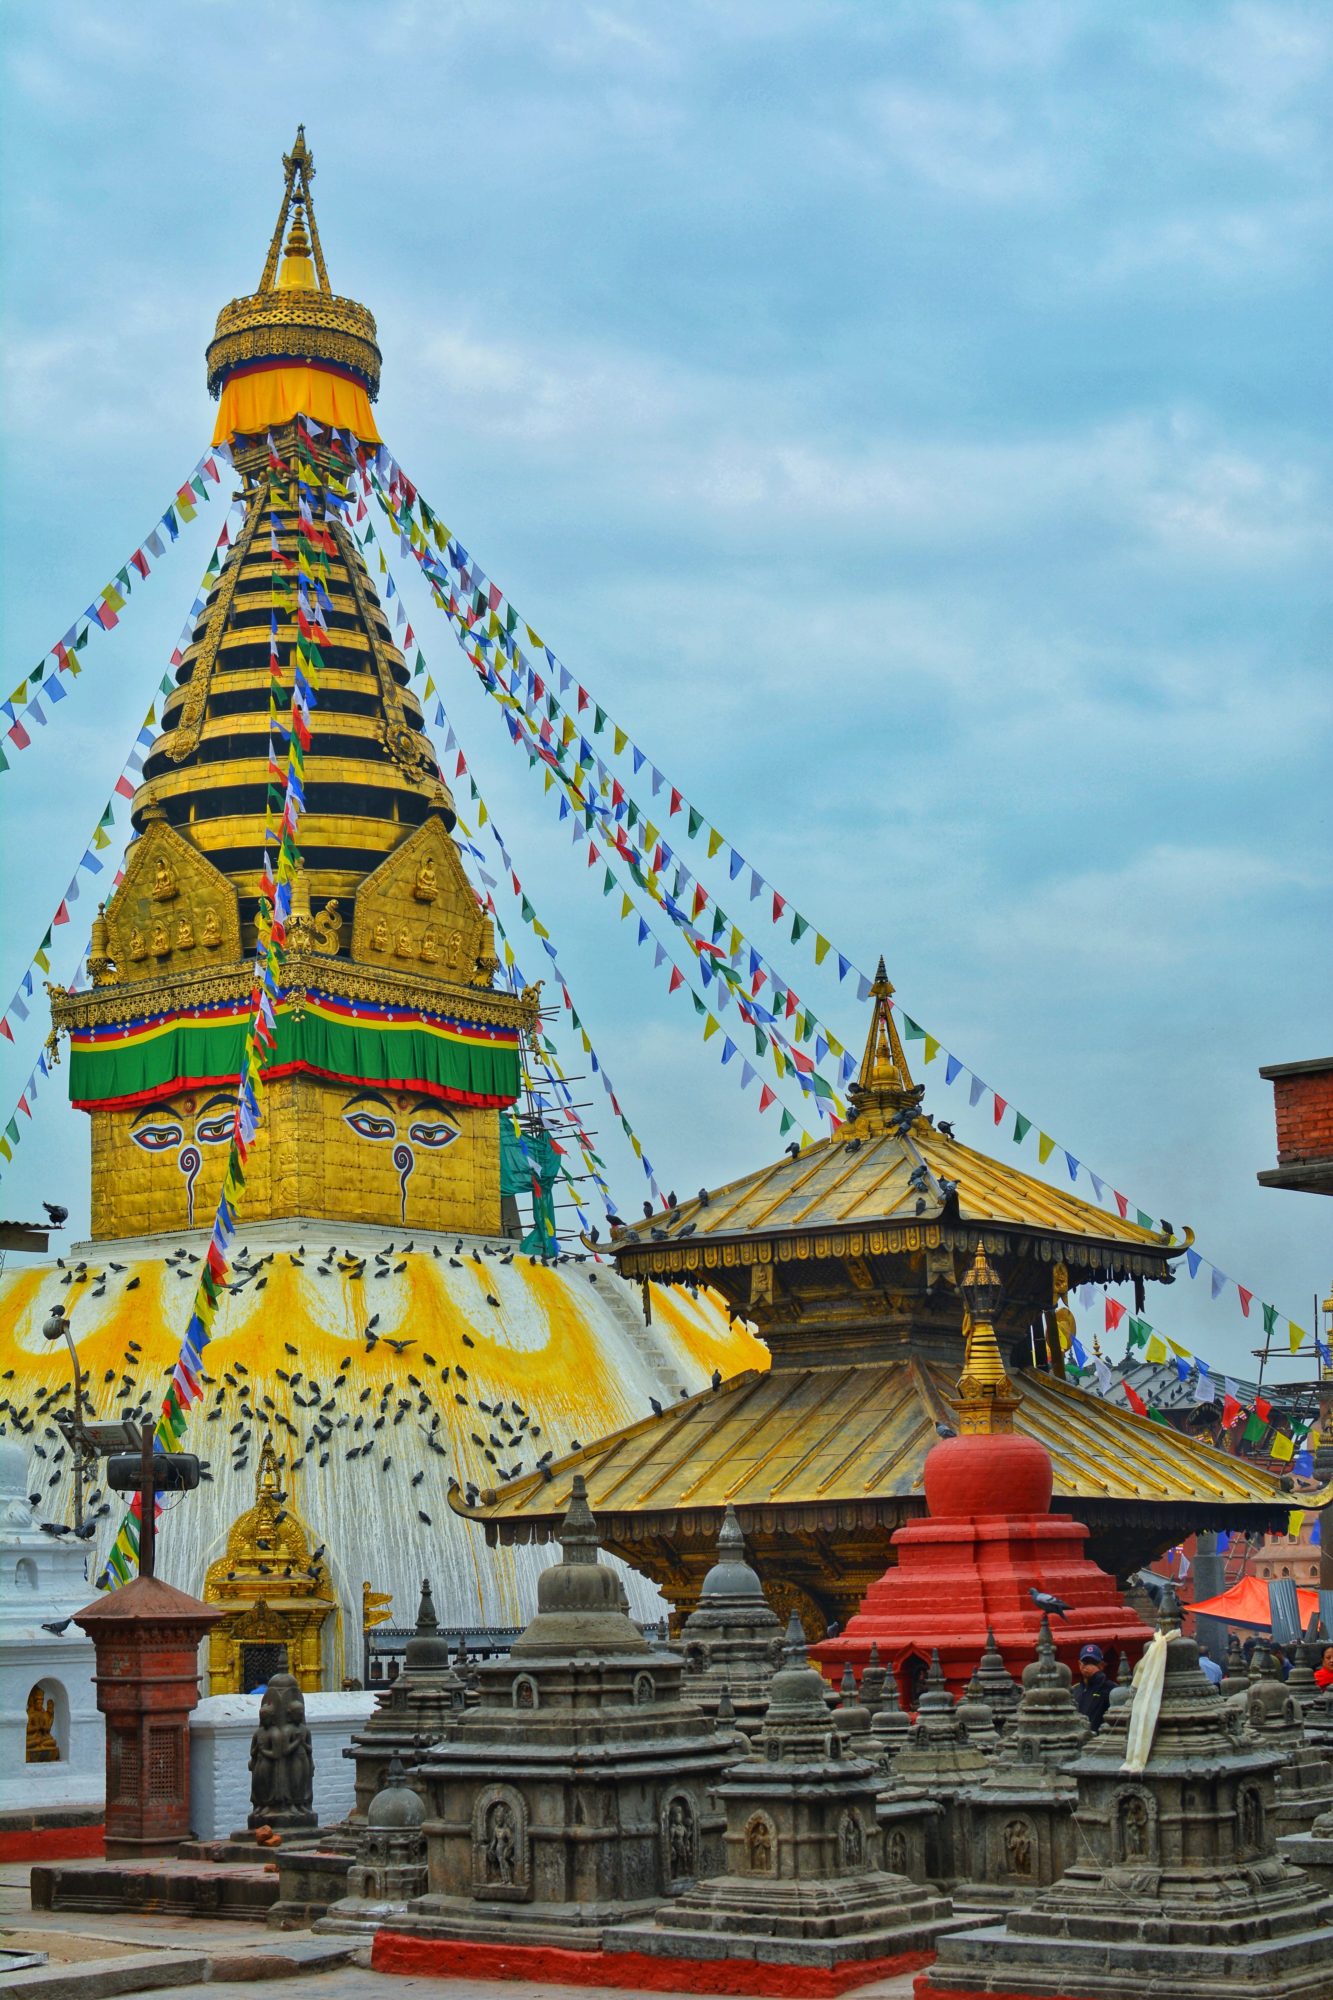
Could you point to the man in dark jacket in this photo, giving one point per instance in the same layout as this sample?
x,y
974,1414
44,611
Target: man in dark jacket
x,y
1092,1697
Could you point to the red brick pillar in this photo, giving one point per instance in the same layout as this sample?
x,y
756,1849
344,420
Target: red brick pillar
x,y
146,1637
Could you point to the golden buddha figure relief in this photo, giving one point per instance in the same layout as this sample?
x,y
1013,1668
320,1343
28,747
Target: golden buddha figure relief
x,y
184,934
426,887
404,947
41,1746
210,934
164,881
161,944
138,949
379,937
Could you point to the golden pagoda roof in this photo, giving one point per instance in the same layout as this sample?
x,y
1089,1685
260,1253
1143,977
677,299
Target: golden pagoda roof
x,y
890,1172
840,1435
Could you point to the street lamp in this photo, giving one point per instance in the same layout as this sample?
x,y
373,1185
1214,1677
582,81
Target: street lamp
x,y
56,1327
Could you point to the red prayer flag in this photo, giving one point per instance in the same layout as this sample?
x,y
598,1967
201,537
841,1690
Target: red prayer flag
x,y
140,561
766,1098
1000,1107
19,735
1122,1203
779,905
1115,1312
677,979
5,1029
675,801
1245,1299
1231,1412
1263,1409
62,914
1134,1399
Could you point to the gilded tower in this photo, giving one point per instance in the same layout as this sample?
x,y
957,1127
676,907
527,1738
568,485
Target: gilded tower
x,y
394,1052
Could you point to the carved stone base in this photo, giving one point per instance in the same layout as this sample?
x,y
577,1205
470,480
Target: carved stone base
x,y
818,1923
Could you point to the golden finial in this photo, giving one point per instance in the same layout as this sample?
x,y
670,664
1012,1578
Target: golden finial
x,y
884,1086
99,950
986,1395
298,168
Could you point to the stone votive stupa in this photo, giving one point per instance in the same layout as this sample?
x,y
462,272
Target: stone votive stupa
x,y
1176,1886
574,1795
733,1637
389,1866
804,1883
936,1766
1020,1817
963,1577
413,1709
1275,1719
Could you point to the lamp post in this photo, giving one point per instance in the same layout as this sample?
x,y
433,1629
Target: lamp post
x,y
56,1327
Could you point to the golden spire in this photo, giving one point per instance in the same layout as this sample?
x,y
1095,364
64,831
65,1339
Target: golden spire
x,y
297,273
884,1086
987,1401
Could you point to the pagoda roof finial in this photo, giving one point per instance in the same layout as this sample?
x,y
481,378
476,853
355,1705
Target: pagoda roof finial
x,y
884,1086
986,1395
297,207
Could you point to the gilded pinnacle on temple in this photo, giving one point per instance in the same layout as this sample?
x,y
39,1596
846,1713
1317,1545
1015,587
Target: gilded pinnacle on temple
x,y
884,1087
986,1395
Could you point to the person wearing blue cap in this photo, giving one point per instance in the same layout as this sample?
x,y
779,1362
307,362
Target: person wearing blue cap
x,y
1092,1697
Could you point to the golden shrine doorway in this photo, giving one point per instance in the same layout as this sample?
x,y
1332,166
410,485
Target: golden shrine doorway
x,y
277,1597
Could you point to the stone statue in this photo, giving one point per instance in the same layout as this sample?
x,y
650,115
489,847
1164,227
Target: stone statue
x,y
282,1765
41,1747
1018,1846
1134,1828
501,1843
184,934
425,889
851,1843
680,1838
211,931
164,881
759,1846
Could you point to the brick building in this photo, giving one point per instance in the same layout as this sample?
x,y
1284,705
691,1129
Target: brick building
x,y
1303,1101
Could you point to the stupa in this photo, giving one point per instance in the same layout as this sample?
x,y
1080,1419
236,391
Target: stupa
x,y
574,1796
732,1641
1175,1886
380,1322
932,1773
412,1711
804,1882
849,1259
964,1578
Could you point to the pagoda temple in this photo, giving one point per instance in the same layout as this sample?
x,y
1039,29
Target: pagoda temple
x,y
380,1332
849,1258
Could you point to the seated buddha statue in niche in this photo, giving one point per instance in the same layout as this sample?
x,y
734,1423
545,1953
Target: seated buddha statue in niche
x,y
379,937
210,931
426,887
164,881
40,1745
138,948
184,934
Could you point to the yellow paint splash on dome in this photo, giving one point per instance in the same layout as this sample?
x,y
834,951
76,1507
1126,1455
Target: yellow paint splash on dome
x,y
711,1342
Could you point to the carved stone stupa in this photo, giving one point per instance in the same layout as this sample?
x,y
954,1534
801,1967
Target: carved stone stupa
x,y
1176,1886
413,1709
576,1793
733,1639
805,1882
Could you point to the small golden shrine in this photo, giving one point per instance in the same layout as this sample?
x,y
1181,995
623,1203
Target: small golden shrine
x,y
277,1594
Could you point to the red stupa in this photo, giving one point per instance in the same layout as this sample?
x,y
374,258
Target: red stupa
x,y
989,1540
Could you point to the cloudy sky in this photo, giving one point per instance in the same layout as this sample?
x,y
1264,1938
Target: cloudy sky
x,y
910,421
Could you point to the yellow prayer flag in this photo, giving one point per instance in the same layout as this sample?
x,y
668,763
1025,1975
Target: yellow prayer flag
x,y
932,1048
1176,1348
714,841
620,739
1045,1146
531,634
1282,1447
821,953
1295,1522
1295,1334
710,1027
1156,1349
625,907
482,814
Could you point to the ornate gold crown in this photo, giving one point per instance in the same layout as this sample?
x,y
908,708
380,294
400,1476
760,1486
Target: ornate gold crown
x,y
295,314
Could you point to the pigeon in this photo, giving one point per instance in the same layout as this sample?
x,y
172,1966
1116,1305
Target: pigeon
x,y
656,1406
945,1430
704,1197
55,1213
1044,1601
794,1149
946,1128
54,1627
717,1378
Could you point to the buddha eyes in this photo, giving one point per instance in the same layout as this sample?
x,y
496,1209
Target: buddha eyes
x,y
433,1132
367,1126
157,1138
214,1131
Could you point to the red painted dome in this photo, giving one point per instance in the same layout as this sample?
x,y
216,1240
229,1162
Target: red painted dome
x,y
1004,1473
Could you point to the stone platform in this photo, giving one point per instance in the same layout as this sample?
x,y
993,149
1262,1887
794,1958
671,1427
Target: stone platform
x,y
1296,1966
241,1892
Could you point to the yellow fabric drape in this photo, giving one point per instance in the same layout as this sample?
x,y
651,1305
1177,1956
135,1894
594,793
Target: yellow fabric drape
x,y
252,404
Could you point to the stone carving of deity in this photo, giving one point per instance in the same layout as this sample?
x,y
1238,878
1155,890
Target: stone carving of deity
x,y
161,944
1018,1847
759,1846
1251,1821
282,1765
851,1841
501,1843
210,933
184,934
164,881
1134,1828
680,1839
425,889
895,1852
430,945
138,948
403,948
379,937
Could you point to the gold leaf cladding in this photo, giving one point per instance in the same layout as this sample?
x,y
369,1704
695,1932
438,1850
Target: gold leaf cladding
x,y
404,744
174,912
418,908
190,722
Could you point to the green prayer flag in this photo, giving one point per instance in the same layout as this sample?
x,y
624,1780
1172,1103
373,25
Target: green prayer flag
x,y
786,1123
1254,1428
1022,1126
609,883
1270,1320
696,820
913,1029
1139,1330
799,926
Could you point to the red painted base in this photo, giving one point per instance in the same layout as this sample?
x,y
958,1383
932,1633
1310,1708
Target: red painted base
x,y
454,1958
923,1990
52,1843
989,1539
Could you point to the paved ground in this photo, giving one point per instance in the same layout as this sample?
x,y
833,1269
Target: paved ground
x,y
81,1942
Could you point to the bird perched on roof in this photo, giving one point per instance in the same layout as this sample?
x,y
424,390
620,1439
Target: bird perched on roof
x,y
704,1197
716,1381
945,1430
945,1127
655,1406
793,1149
56,1215
647,1208
1044,1601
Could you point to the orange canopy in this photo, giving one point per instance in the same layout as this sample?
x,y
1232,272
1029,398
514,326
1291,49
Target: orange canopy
x,y
259,398
1246,1603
